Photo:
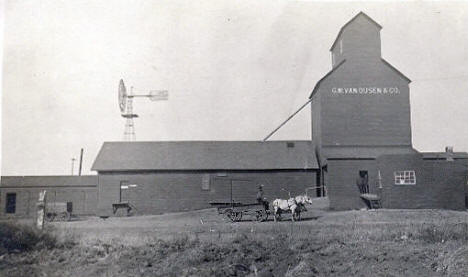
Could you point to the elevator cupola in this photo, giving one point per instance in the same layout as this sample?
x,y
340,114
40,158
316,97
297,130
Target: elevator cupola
x,y
357,39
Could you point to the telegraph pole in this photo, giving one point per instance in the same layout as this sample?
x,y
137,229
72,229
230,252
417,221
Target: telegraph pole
x,y
81,162
72,165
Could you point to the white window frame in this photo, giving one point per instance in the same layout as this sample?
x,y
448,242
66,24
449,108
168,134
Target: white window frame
x,y
405,177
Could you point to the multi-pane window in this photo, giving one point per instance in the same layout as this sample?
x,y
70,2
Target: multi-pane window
x,y
405,177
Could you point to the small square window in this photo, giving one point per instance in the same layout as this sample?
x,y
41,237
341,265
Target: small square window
x,y
406,177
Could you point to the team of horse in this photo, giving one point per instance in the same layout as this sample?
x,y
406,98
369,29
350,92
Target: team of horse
x,y
294,205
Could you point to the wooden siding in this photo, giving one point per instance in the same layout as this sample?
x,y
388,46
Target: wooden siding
x,y
182,191
359,40
365,119
80,190
361,118
84,199
439,184
316,120
341,178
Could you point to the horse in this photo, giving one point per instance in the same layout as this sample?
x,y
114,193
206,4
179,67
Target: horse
x,y
295,205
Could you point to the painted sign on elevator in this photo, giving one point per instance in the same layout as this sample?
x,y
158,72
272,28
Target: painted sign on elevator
x,y
366,90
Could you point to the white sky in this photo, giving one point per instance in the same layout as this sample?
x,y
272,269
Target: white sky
x,y
234,70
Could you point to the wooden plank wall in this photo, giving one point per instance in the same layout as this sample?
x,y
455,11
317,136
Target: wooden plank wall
x,y
155,193
84,199
341,183
439,184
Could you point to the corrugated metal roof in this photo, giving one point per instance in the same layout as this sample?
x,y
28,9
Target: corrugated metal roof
x,y
364,152
205,155
48,181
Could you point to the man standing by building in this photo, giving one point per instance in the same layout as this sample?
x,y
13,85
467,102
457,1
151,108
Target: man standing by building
x,y
362,182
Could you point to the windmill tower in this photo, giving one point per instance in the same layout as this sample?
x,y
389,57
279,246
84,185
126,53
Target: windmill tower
x,y
126,107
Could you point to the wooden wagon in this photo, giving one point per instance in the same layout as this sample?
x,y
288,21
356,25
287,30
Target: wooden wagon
x,y
58,211
236,210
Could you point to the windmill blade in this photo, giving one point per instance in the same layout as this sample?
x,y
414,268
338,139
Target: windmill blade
x,y
156,95
122,95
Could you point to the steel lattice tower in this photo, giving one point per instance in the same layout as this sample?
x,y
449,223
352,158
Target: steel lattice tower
x,y
129,132
126,107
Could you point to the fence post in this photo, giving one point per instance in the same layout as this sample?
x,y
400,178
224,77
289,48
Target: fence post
x,y
41,206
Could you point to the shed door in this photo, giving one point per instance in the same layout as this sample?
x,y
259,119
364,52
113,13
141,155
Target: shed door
x,y
10,203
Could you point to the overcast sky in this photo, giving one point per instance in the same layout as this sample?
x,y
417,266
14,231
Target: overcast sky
x,y
234,71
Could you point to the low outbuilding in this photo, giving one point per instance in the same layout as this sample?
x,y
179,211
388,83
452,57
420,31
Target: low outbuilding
x,y
158,177
19,194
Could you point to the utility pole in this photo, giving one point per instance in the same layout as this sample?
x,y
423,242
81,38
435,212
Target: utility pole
x,y
72,165
81,162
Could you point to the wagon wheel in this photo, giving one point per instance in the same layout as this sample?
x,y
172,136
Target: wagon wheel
x,y
262,216
64,216
50,217
237,216
230,214
277,216
297,216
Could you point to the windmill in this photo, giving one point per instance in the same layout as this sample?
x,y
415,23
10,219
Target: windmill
x,y
126,107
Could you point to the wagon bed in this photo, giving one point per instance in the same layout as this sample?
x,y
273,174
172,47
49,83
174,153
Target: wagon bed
x,y
57,211
236,210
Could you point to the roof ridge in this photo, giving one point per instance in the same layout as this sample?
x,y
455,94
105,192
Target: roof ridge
x,y
208,141
349,22
324,77
395,69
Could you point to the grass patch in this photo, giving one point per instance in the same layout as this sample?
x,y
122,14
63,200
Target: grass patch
x,y
433,233
236,256
354,243
20,238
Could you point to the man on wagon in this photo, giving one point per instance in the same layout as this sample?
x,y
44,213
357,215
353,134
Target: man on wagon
x,y
260,198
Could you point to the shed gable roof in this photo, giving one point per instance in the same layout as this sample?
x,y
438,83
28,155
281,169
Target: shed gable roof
x,y
49,181
205,155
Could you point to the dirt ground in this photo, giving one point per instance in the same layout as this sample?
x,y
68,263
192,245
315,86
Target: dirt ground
x,y
204,243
